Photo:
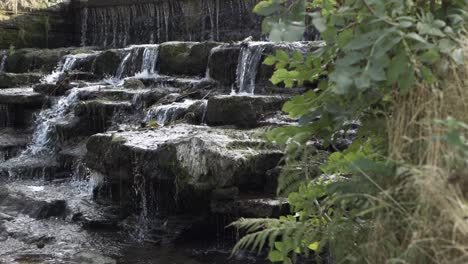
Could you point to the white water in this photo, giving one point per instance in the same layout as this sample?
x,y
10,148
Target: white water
x,y
150,60
45,134
163,114
249,59
67,65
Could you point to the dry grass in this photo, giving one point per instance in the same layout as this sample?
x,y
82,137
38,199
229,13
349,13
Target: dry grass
x,y
433,228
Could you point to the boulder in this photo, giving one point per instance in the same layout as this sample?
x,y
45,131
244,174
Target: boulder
x,y
241,111
223,64
133,84
106,63
11,80
184,58
185,163
34,60
22,96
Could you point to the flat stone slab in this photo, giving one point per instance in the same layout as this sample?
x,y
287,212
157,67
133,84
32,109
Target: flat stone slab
x,y
9,80
242,110
22,96
10,137
193,159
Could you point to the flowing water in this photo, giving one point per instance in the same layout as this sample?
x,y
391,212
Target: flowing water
x,y
45,137
249,59
3,58
164,114
157,22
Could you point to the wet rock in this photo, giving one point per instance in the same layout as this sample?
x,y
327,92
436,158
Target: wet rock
x,y
48,89
28,60
225,194
16,201
241,111
22,96
184,58
252,207
11,80
12,142
92,258
223,64
133,84
106,63
193,160
97,115
84,76
5,217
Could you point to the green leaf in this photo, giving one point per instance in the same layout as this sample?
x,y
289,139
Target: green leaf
x,y
270,60
430,56
282,55
406,81
298,57
266,8
314,246
275,256
427,75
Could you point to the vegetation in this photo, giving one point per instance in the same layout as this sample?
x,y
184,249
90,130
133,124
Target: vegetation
x,y
397,194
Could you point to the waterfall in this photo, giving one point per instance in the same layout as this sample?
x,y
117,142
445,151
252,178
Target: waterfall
x,y
163,114
123,64
66,65
147,70
249,60
44,136
84,26
3,58
149,62
120,25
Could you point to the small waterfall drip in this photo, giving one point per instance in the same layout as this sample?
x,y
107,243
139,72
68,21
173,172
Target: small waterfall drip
x,y
123,64
164,114
133,57
3,58
249,59
65,65
150,60
84,26
45,137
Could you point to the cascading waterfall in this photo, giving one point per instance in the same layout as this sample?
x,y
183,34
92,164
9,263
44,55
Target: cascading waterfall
x,y
164,20
3,58
66,65
44,137
123,64
249,59
163,114
84,26
150,60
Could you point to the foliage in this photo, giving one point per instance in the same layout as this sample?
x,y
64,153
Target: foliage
x,y
377,54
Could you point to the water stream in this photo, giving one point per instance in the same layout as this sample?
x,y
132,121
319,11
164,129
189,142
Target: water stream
x,y
249,59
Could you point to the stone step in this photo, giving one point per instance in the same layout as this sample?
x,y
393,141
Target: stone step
x,y
242,110
32,168
250,206
194,160
11,80
13,142
18,106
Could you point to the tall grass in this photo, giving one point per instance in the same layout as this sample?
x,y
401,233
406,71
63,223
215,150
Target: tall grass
x,y
430,224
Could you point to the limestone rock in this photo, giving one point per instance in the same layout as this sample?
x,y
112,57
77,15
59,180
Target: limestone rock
x,y
11,80
184,58
241,111
189,161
